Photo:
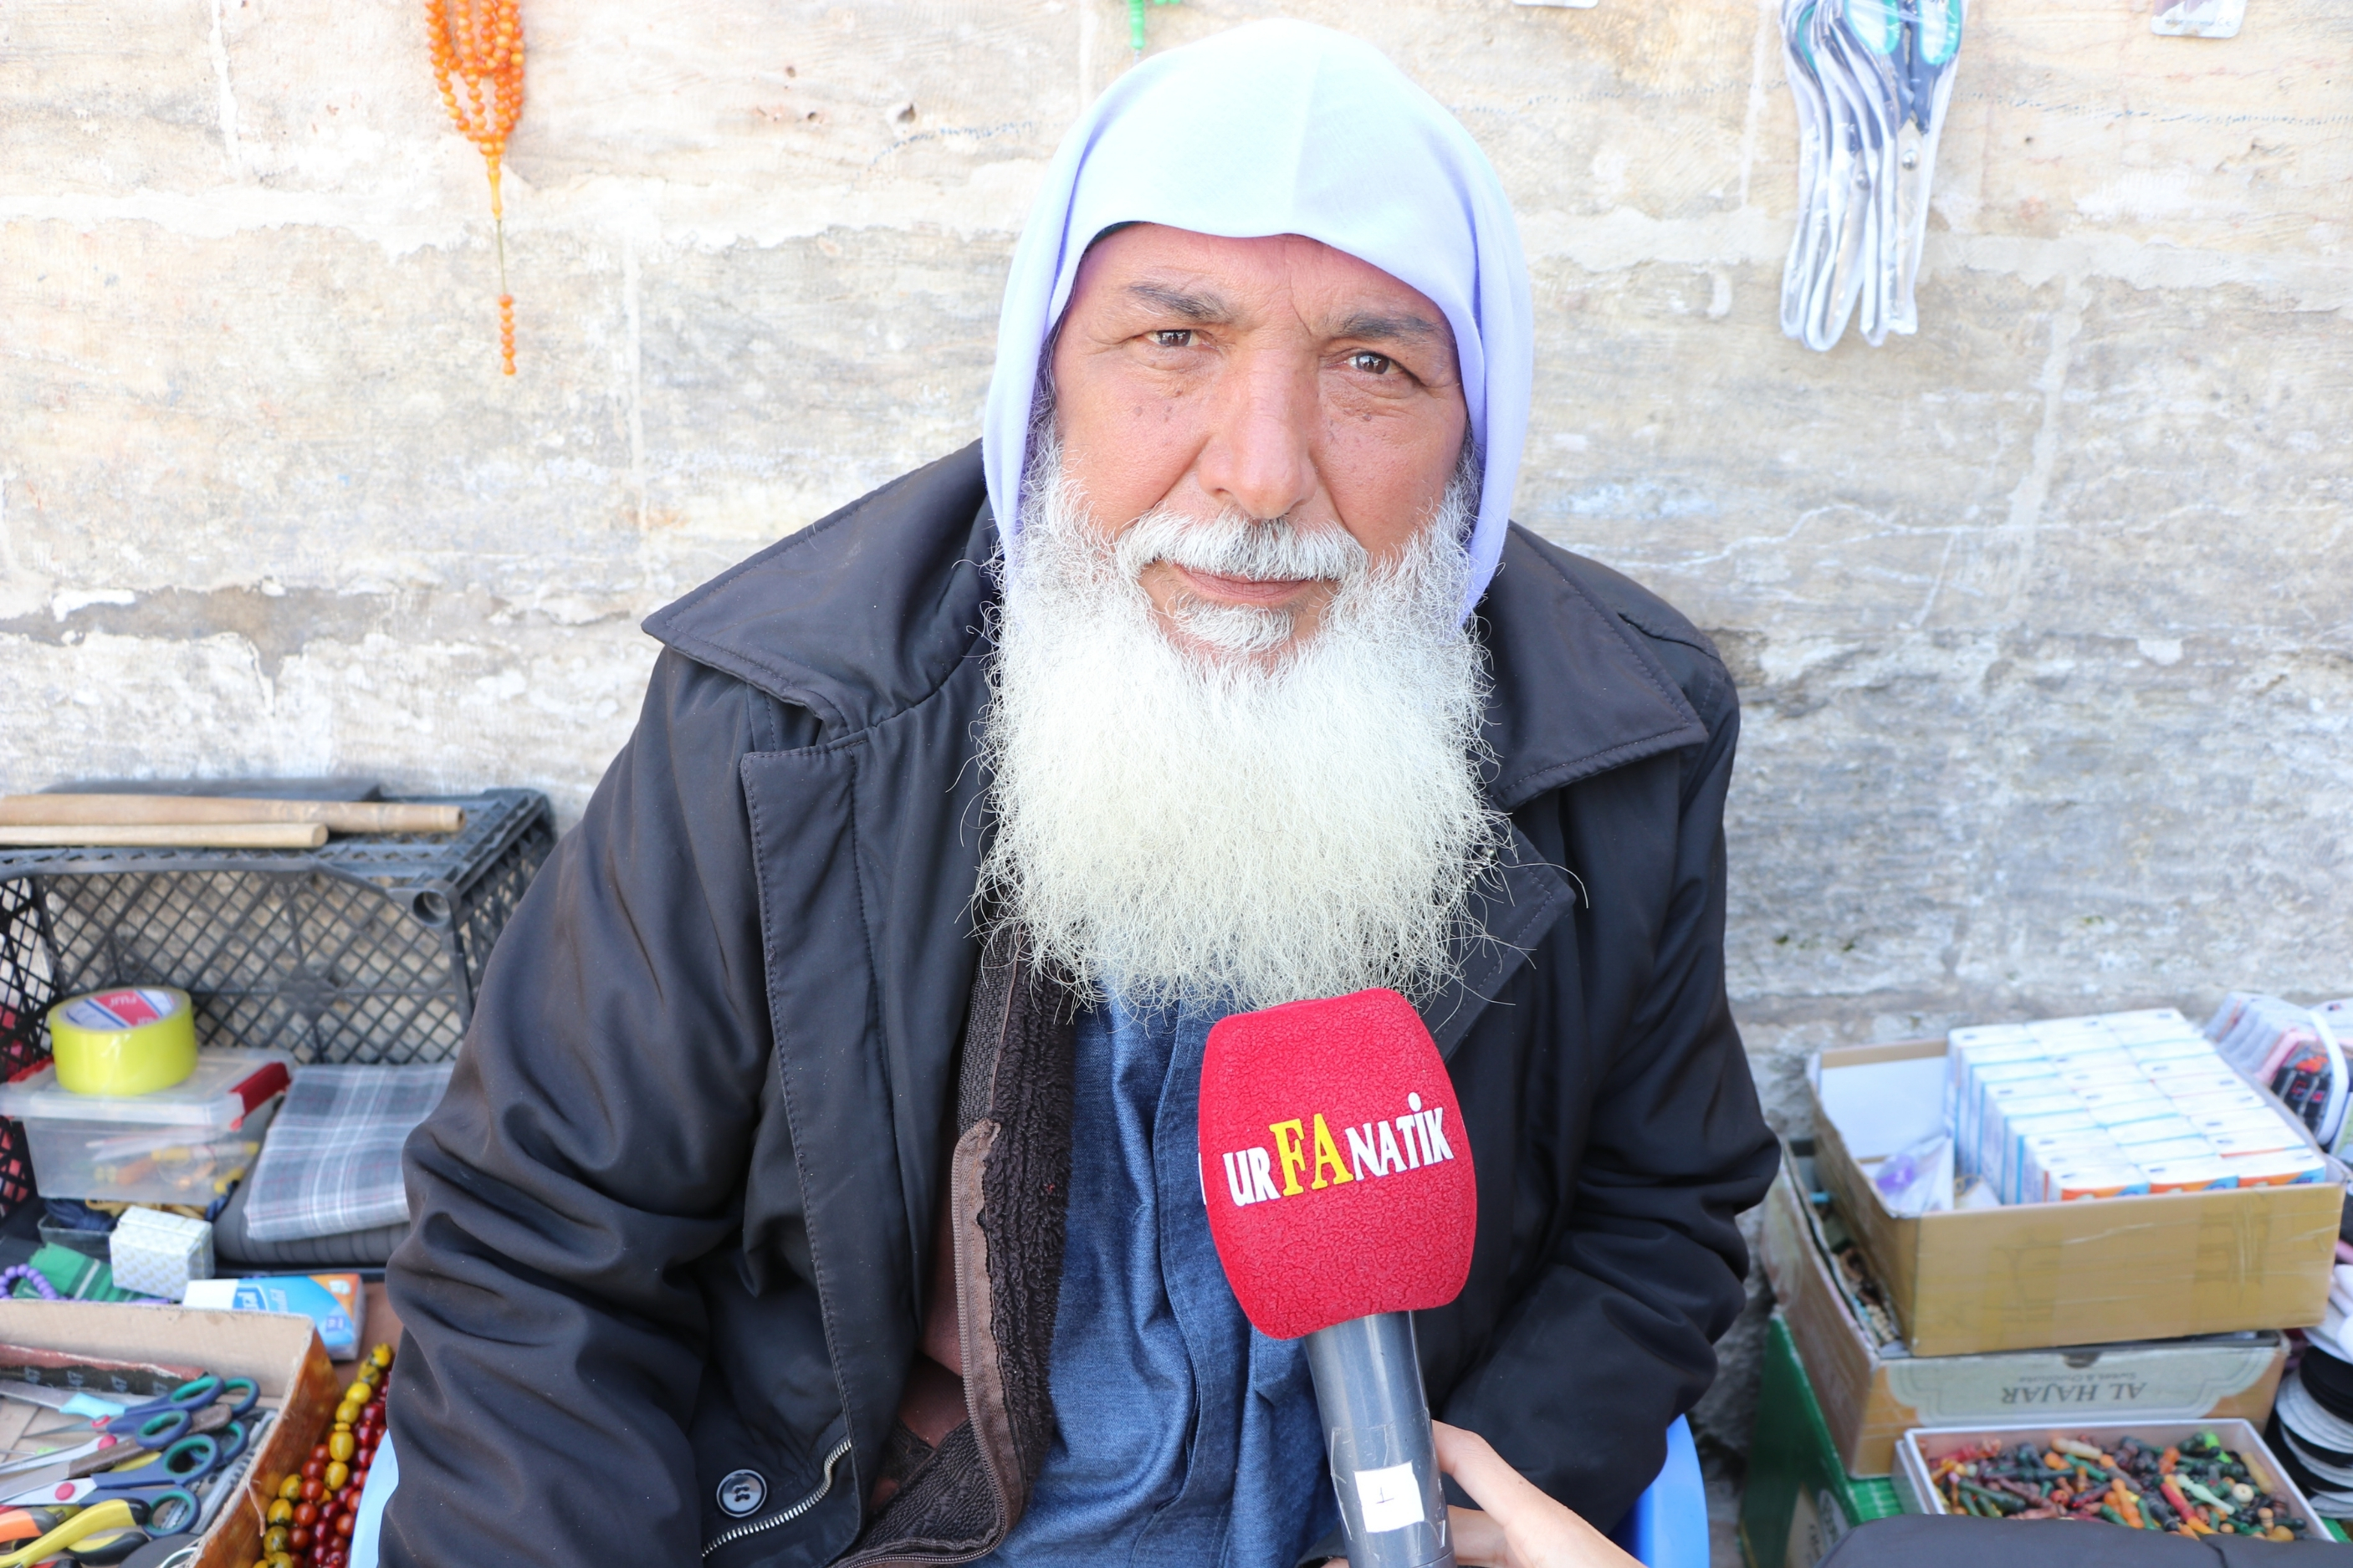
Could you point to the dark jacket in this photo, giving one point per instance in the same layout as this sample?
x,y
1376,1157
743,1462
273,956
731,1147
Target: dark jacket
x,y
742,1120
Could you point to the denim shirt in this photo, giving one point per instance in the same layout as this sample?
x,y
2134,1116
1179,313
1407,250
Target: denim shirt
x,y
1184,1437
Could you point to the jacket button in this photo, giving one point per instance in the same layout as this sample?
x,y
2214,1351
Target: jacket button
x,y
742,1493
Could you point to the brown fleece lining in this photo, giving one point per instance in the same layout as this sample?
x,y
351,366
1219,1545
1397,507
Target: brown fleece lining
x,y
1008,1191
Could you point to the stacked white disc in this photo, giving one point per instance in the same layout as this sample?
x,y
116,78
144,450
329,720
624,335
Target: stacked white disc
x,y
2312,1430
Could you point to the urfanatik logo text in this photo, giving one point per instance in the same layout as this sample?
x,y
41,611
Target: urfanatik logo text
x,y
1304,1147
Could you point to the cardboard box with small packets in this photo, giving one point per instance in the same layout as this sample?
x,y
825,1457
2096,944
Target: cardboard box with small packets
x,y
2034,1275
1872,1389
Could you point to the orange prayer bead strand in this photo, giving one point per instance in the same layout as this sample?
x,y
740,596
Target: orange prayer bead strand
x,y
479,42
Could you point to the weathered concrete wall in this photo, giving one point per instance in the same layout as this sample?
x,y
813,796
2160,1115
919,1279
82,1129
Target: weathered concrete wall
x,y
2042,616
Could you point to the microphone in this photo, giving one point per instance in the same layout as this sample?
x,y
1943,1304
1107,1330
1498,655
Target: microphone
x,y
1341,1199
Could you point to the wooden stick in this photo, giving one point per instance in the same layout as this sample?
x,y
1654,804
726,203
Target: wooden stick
x,y
147,810
170,835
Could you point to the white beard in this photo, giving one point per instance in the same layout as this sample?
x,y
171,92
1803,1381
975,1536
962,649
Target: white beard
x,y
1233,824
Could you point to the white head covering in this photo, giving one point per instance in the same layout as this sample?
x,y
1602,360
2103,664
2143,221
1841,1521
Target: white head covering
x,y
1284,128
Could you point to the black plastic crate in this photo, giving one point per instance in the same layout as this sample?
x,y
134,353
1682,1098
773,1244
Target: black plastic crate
x,y
369,949
25,995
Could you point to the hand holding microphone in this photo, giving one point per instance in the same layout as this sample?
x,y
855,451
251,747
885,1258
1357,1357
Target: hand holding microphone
x,y
1341,1199
1519,1527
1516,1525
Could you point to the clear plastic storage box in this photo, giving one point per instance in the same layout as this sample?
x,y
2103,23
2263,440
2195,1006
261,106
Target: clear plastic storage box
x,y
186,1144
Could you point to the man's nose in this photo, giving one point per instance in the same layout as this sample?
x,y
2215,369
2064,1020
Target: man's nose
x,y
1260,456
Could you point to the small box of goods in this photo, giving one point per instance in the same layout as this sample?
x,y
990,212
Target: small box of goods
x,y
188,1144
2077,1181
336,1304
2187,1477
2114,1105
124,1424
158,1254
2296,1052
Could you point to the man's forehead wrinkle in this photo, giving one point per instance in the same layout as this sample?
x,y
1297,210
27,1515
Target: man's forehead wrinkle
x,y
1186,292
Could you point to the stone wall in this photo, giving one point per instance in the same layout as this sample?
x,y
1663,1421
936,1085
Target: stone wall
x,y
2043,618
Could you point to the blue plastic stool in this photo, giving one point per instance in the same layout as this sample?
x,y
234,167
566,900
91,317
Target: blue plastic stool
x,y
367,1532
1668,1525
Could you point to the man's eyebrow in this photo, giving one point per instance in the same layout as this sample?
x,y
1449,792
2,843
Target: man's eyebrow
x,y
1193,307
1375,327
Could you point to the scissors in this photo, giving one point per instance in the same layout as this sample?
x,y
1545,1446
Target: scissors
x,y
107,1547
94,1454
159,1422
114,1514
1918,37
71,1401
163,1484
25,1523
103,1550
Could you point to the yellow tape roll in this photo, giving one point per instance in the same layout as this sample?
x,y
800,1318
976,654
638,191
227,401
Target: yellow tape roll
x,y
127,1040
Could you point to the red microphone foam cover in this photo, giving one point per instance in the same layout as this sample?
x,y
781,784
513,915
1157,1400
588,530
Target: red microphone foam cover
x,y
1333,1163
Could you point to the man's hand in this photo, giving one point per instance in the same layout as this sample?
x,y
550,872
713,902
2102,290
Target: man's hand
x,y
1519,1527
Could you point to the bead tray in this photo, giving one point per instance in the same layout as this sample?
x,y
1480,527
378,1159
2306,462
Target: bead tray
x,y
1917,1451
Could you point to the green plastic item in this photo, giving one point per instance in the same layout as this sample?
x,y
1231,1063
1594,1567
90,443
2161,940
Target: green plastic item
x,y
76,1276
1800,1499
1135,22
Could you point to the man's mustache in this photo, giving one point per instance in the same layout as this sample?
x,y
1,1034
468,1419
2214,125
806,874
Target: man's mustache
x,y
1235,544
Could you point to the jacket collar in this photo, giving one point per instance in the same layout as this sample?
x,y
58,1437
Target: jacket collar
x,y
1576,691
863,613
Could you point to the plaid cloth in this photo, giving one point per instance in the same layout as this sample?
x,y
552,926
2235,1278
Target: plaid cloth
x,y
331,1161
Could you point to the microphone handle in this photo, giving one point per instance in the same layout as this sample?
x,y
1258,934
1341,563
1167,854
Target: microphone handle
x,y
1377,1431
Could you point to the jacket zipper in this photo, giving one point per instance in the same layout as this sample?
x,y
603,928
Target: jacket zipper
x,y
730,1536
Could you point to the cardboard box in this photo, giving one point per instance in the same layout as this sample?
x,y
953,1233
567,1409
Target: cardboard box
x,y
1799,1501
1867,1399
2028,1276
279,1351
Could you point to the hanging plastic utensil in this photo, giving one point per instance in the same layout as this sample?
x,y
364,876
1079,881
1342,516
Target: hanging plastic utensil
x,y
1935,40
1850,186
2198,18
1871,80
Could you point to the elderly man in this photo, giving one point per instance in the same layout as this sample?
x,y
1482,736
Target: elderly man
x,y
819,1180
